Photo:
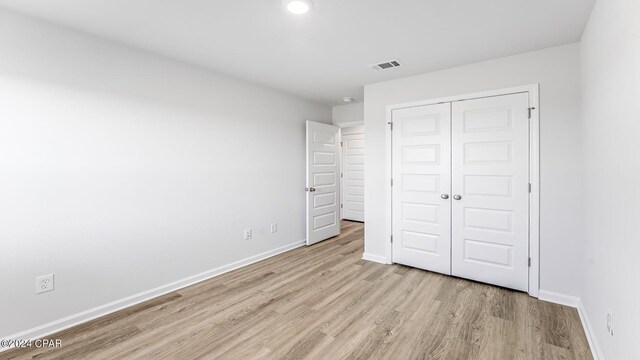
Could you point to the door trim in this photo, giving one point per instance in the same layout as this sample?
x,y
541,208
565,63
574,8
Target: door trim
x,y
345,126
349,124
534,170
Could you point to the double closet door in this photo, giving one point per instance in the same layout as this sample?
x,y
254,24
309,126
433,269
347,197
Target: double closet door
x,y
460,198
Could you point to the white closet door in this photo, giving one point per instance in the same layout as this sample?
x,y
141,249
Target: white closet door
x,y
323,188
353,173
490,187
421,183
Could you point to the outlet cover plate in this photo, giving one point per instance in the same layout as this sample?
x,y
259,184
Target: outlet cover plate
x,y
45,283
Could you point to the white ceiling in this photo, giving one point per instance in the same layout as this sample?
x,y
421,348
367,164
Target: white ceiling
x,y
323,55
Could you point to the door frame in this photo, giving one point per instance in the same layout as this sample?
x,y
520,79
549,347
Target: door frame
x,y
344,125
533,91
349,124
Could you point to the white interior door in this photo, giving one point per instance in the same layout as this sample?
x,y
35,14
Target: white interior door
x,y
490,187
353,172
323,187
421,182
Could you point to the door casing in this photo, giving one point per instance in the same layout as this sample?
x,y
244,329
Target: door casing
x,y
341,125
345,131
534,171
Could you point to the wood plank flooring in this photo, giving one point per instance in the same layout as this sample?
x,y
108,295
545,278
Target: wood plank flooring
x,y
324,302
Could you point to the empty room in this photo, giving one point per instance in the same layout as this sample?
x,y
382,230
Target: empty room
x,y
320,179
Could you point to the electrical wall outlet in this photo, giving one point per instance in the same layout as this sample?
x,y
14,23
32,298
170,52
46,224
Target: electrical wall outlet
x,y
247,234
610,322
274,228
44,283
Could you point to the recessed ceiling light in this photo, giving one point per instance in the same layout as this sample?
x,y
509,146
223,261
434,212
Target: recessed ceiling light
x,y
298,7
348,100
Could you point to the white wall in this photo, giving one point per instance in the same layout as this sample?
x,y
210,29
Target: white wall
x,y
610,65
556,69
121,171
348,113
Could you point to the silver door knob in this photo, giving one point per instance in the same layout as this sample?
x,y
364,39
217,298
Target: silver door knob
x,y
311,189
457,197
444,196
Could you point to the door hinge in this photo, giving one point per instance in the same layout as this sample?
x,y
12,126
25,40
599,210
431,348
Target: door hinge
x,y
529,188
530,109
390,123
340,206
340,143
392,239
529,262
341,175
391,182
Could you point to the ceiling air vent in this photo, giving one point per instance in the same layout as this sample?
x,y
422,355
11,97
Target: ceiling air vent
x,y
386,65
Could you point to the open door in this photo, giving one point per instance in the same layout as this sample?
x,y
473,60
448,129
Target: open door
x,y
323,182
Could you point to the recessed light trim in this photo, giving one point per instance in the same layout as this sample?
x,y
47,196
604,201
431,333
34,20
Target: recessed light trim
x,y
348,100
298,7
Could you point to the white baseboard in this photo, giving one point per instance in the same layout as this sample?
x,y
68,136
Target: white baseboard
x,y
96,312
591,335
576,302
559,298
375,258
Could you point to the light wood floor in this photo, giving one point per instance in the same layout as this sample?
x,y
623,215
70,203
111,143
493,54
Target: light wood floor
x,y
324,302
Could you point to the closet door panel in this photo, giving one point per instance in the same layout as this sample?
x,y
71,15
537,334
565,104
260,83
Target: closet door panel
x,y
421,165
490,187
